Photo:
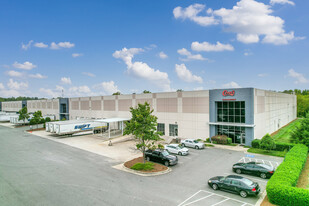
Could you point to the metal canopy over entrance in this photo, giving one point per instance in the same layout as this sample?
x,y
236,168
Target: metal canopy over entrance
x,y
113,120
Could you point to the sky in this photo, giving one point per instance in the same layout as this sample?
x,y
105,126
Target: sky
x,y
86,48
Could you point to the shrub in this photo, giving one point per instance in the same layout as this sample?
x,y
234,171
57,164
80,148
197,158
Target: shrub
x,y
281,188
207,140
33,121
229,140
283,146
141,166
301,134
47,119
267,143
220,139
256,143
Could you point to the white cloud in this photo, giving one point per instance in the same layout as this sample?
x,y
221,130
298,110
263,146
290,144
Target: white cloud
x,y
249,19
185,52
74,55
37,76
26,65
231,85
80,89
40,45
263,75
162,55
61,45
300,78
108,87
142,70
49,93
88,74
248,53
13,73
272,2
192,12
198,88
207,47
59,88
186,75
14,85
11,93
26,46
1,86
66,80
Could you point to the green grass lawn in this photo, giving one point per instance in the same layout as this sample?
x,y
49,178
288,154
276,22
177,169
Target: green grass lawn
x,y
264,152
283,135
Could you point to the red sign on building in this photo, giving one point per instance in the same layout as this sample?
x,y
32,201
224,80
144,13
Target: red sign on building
x,y
227,93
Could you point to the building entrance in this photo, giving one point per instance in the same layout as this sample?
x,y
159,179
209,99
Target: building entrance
x,y
237,134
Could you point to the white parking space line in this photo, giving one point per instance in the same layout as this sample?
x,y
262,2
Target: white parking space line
x,y
199,199
268,162
189,197
220,202
210,194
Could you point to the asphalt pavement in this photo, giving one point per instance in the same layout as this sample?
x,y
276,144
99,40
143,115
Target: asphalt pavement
x,y
38,171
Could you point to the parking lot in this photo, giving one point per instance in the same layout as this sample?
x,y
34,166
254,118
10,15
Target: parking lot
x,y
213,162
36,170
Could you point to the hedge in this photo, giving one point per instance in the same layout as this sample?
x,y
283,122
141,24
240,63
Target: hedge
x,y
279,145
281,188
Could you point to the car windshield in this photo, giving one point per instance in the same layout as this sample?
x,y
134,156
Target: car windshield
x,y
165,153
221,179
195,141
247,182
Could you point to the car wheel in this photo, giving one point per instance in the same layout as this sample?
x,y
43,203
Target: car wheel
x,y
263,175
238,171
179,153
215,186
196,147
243,194
148,159
166,163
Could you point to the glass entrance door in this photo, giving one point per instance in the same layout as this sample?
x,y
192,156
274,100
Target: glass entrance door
x,y
237,134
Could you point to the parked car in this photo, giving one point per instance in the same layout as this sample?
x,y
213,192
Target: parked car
x,y
253,168
176,149
161,156
235,184
192,143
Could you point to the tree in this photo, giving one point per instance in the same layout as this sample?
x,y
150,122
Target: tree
x,y
146,92
117,93
143,125
179,90
23,114
37,117
267,143
301,134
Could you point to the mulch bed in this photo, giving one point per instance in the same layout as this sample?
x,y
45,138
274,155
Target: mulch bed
x,y
266,202
157,167
37,129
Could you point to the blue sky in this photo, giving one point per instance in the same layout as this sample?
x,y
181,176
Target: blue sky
x,y
99,47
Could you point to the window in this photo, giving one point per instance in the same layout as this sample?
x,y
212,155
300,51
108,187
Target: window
x,y
173,130
161,128
233,112
227,181
235,182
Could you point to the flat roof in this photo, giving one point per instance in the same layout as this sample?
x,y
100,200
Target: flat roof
x,y
110,120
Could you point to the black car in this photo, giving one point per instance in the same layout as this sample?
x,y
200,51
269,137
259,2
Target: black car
x,y
161,156
253,168
235,184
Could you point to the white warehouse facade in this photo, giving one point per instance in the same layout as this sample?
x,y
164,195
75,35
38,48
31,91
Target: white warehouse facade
x,y
243,114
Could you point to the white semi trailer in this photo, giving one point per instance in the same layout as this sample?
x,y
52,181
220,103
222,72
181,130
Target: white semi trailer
x,y
78,127
7,117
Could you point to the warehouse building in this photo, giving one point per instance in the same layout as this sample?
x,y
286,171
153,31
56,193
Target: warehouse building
x,y
243,114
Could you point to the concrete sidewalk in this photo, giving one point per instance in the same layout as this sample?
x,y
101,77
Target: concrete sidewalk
x,y
123,148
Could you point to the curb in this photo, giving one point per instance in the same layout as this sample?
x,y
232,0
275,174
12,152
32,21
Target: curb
x,y
145,174
258,203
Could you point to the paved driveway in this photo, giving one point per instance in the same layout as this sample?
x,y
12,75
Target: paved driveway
x,y
38,171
